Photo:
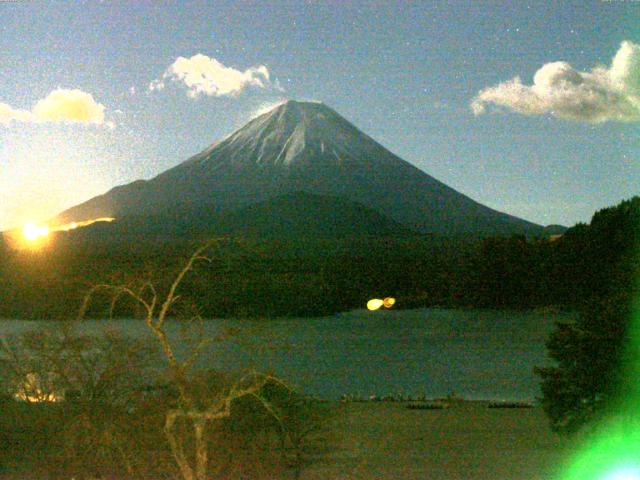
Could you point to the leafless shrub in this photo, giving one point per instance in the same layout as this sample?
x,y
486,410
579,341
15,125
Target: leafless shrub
x,y
205,405
81,391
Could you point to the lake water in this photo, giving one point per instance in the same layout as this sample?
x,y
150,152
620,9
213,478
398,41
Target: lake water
x,y
478,354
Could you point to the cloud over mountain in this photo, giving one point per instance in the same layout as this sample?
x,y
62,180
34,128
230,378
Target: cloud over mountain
x,y
600,95
61,105
205,75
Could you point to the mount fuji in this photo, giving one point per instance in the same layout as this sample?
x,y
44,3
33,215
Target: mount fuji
x,y
301,147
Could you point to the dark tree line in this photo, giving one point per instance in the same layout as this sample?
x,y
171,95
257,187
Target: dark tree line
x,y
596,372
318,276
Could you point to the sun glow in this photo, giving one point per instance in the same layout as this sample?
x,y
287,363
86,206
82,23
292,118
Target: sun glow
x,y
33,232
33,236
74,225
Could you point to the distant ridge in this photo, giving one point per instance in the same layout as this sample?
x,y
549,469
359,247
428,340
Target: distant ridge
x,y
303,147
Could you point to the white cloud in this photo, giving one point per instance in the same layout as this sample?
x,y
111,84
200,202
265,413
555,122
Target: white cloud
x,y
69,105
60,105
8,113
603,94
204,75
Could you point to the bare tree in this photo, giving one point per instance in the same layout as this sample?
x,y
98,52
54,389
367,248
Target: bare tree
x,y
196,412
94,380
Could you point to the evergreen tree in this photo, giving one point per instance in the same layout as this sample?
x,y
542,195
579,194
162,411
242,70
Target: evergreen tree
x,y
589,376
594,354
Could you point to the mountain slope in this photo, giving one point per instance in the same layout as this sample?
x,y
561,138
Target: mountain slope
x,y
303,146
292,215
304,214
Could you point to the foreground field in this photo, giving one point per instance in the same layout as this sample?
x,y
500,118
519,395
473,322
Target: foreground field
x,y
467,441
387,440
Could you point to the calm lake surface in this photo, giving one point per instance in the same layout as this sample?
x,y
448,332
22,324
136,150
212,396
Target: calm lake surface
x,y
478,354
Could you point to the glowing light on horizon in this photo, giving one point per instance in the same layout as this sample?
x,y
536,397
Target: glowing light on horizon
x,y
33,232
376,303
85,223
38,398
32,391
33,236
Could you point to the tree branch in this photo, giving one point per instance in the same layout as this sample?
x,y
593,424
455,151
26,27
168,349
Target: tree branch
x,y
171,296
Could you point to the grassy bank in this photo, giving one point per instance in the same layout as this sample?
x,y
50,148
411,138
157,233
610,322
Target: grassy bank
x,y
388,440
467,441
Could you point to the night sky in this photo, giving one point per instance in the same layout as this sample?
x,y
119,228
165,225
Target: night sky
x,y
93,95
